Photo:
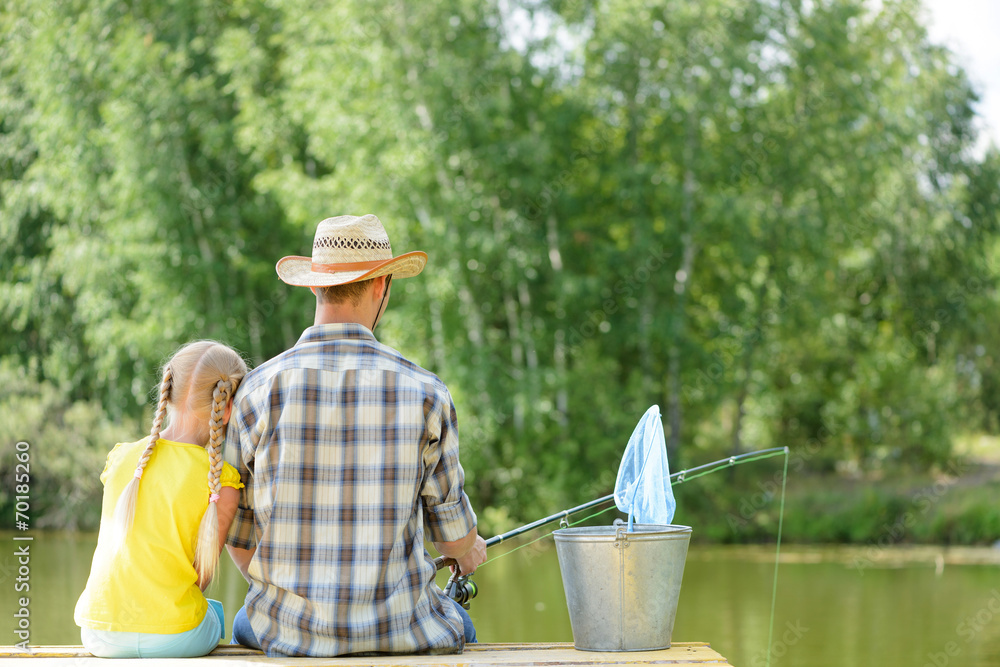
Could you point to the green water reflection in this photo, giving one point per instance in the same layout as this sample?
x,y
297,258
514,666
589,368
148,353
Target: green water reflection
x,y
834,608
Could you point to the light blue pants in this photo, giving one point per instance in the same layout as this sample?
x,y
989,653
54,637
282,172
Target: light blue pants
x,y
191,644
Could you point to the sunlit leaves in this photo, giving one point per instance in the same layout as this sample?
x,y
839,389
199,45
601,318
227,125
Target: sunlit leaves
x,y
765,215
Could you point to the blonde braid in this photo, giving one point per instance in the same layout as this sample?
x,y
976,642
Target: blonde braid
x,y
206,555
125,508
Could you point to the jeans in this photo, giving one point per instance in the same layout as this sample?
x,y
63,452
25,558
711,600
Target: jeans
x,y
243,632
470,629
190,644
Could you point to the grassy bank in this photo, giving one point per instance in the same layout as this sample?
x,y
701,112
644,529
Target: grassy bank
x,y
954,507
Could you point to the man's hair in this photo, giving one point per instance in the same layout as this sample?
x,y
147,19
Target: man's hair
x,y
342,293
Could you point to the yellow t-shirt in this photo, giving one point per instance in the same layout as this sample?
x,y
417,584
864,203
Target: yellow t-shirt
x,y
151,585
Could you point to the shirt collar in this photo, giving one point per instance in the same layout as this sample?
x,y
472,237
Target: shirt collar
x,y
341,331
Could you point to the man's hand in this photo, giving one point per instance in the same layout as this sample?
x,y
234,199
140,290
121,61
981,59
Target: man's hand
x,y
473,559
469,552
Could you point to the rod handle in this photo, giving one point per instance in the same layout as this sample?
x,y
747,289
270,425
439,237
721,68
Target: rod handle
x,y
442,562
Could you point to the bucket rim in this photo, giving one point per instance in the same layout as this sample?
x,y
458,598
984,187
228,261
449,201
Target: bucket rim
x,y
638,529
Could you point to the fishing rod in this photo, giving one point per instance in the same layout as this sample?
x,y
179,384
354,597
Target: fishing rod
x,y
462,590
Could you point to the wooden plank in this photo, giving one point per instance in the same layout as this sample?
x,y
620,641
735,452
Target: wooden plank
x,y
475,655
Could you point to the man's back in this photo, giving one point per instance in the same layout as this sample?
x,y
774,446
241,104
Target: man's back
x,y
347,450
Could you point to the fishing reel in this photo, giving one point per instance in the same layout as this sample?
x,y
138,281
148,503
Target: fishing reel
x,y
461,589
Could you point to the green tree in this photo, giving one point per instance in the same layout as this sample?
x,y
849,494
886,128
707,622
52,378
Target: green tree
x,y
764,217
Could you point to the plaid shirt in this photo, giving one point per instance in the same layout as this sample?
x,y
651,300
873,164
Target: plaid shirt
x,y
348,451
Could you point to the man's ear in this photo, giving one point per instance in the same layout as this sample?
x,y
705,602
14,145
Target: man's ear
x,y
381,284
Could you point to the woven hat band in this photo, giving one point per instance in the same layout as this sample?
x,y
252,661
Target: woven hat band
x,y
348,266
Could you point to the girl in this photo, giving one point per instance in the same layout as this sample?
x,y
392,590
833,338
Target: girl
x,y
162,524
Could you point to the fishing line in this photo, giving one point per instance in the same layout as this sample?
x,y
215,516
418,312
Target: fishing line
x,y
777,557
542,537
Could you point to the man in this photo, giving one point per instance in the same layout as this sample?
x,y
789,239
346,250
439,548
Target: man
x,y
348,452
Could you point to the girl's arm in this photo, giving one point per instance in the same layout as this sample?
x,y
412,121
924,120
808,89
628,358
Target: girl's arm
x,y
242,558
228,498
226,507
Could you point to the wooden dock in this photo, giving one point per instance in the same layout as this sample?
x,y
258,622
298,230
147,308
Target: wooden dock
x,y
475,655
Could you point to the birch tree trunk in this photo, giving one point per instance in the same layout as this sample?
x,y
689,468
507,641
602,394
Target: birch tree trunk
x,y
689,250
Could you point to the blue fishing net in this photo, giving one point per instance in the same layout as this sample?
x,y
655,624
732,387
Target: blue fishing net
x,y
643,485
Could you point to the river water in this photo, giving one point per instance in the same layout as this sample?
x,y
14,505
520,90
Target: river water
x,y
835,606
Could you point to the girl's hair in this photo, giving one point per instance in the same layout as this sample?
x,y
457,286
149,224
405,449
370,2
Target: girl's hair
x,y
200,378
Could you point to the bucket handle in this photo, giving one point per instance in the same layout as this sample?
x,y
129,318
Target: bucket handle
x,y
621,536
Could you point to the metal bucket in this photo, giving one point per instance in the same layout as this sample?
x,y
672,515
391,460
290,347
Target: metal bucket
x,y
622,587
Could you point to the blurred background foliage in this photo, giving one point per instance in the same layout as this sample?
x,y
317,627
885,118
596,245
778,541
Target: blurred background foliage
x,y
770,218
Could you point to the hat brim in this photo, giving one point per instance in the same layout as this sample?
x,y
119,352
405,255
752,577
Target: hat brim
x,y
298,271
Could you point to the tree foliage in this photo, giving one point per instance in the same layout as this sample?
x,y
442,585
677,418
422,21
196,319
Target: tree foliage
x,y
766,217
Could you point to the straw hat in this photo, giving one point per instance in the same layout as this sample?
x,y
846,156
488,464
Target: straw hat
x,y
348,249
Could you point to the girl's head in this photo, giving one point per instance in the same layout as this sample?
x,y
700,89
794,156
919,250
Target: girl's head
x,y
193,375
198,384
